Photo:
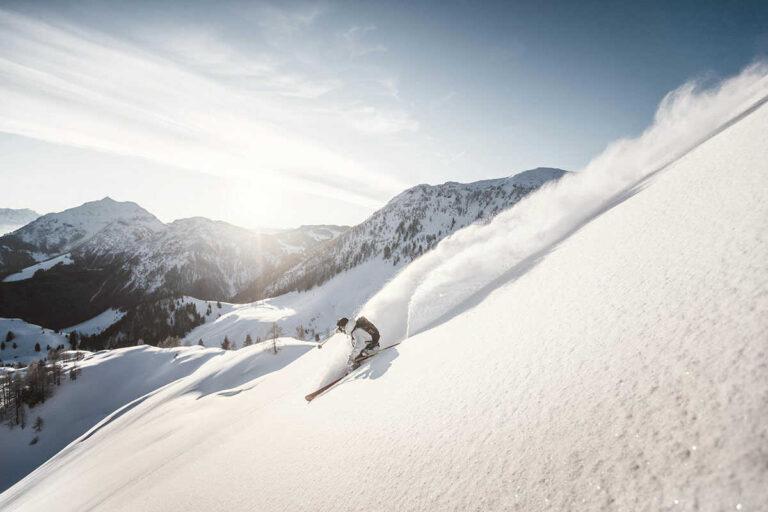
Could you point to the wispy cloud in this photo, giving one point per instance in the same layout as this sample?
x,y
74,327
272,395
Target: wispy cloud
x,y
193,100
356,42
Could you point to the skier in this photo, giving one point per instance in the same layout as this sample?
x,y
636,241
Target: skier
x,y
365,339
365,343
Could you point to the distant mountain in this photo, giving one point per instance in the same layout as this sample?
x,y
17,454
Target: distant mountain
x,y
58,233
410,224
12,219
336,278
118,255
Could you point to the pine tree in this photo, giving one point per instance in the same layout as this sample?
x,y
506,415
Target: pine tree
x,y
248,341
10,336
74,339
2,345
15,346
225,344
38,425
37,347
201,342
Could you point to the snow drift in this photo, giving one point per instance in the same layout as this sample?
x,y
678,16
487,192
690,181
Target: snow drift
x,y
465,266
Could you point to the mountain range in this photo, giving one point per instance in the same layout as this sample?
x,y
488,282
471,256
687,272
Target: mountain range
x,y
64,268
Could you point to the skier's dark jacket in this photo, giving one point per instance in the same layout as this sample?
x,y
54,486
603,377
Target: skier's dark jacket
x,y
365,324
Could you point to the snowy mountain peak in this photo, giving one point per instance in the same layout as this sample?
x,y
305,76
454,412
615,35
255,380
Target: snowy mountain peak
x,y
410,224
61,232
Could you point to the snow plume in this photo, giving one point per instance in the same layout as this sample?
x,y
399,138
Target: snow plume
x,y
463,268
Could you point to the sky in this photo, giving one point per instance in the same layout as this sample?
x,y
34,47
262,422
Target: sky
x,y
289,113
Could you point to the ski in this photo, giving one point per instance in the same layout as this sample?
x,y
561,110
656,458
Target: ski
x,y
328,386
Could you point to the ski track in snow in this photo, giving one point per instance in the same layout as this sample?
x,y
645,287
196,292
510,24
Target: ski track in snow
x,y
474,260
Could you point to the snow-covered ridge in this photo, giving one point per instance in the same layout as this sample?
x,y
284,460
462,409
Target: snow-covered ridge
x,y
97,324
411,224
55,233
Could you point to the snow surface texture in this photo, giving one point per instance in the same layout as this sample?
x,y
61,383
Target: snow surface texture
x,y
113,382
28,272
624,369
463,268
26,336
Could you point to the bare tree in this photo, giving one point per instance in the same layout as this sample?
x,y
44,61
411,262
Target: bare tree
x,y
170,342
274,333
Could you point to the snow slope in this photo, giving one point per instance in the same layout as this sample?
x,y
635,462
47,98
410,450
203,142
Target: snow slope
x,y
317,310
98,323
26,336
108,382
622,368
28,272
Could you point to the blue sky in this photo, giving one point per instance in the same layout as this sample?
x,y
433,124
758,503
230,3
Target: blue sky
x,y
288,113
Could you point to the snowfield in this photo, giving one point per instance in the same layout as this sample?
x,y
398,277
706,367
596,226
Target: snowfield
x,y
27,273
26,336
620,365
111,383
98,323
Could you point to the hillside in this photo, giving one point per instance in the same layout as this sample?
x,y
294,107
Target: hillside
x,y
335,279
409,225
128,375
314,312
67,267
25,336
617,361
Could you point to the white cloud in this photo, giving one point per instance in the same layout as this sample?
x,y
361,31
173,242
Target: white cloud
x,y
189,100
